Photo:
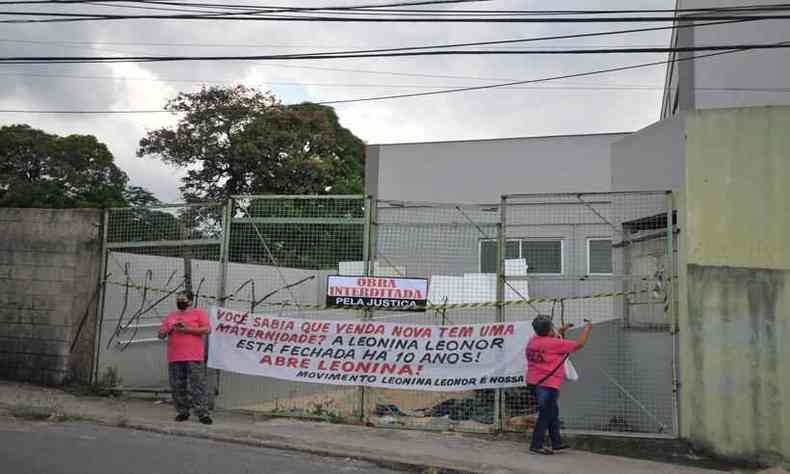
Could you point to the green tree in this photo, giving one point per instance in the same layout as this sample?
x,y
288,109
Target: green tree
x,y
320,244
38,169
238,140
139,196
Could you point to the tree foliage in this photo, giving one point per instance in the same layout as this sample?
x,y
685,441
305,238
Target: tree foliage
x,y
336,233
238,140
38,169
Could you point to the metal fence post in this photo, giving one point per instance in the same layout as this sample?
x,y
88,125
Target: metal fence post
x,y
670,264
500,297
222,280
224,252
103,287
369,257
671,270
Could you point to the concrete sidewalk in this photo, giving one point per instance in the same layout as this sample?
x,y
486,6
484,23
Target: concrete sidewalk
x,y
414,450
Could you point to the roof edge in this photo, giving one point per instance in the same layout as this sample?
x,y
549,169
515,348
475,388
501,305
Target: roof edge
x,y
539,137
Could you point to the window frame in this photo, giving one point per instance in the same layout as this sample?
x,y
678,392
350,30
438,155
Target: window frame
x,y
590,239
521,241
561,240
480,252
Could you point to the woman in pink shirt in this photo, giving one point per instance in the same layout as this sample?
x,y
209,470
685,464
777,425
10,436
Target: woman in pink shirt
x,y
184,330
546,353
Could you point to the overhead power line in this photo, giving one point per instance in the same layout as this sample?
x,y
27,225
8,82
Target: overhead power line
x,y
247,16
423,94
498,42
540,80
85,44
273,8
208,15
208,10
477,78
387,8
388,53
565,87
215,8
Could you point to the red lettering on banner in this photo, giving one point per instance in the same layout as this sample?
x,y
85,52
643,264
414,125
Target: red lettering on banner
x,y
227,329
497,330
273,324
232,317
411,331
359,328
350,366
315,326
369,292
376,282
456,331
288,362
405,370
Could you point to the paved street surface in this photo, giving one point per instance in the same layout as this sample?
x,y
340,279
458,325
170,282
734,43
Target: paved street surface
x,y
132,451
80,448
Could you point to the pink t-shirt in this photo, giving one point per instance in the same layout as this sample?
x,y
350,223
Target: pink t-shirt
x,y
543,355
185,347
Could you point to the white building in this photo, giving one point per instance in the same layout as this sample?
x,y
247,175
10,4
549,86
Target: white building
x,y
735,79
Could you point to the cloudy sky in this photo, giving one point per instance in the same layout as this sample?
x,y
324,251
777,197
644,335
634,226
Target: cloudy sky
x,y
622,101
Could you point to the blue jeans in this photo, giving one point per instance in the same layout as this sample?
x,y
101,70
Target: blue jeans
x,y
548,417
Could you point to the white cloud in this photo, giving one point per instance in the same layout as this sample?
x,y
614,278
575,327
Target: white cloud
x,y
472,115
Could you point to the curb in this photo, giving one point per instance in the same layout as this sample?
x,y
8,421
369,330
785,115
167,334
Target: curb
x,y
278,443
284,445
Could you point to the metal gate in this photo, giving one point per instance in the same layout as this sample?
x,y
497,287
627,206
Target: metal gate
x,y
280,250
150,254
602,257
607,258
571,257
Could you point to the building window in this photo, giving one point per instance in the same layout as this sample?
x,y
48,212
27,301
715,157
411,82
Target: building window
x,y
488,253
542,256
599,256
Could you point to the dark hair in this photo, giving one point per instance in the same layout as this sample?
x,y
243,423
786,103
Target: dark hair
x,y
542,326
186,294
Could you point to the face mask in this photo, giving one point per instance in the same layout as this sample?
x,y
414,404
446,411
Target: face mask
x,y
182,305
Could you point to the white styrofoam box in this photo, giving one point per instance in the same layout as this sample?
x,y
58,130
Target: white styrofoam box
x,y
516,289
443,286
515,267
479,287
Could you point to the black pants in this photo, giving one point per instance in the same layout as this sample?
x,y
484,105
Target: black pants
x,y
188,384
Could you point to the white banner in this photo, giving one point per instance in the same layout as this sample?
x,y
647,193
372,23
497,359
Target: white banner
x,y
370,353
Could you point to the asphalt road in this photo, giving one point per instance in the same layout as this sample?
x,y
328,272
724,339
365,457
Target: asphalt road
x,y
82,448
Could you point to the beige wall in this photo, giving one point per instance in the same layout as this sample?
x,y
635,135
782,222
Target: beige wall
x,y
738,169
735,303
49,275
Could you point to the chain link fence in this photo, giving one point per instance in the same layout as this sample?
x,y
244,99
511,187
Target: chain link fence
x,y
443,244
150,254
280,251
602,257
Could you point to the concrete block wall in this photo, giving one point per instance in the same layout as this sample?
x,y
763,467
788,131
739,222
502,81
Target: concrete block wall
x,y
49,274
735,279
